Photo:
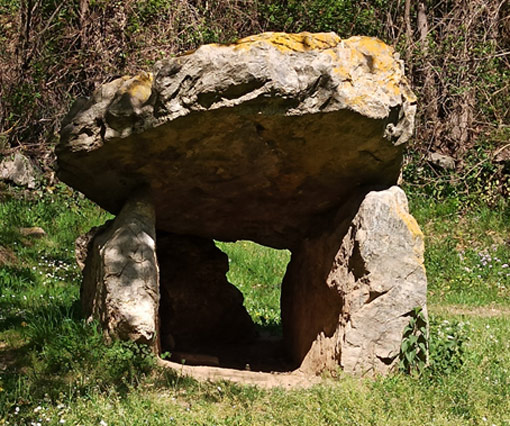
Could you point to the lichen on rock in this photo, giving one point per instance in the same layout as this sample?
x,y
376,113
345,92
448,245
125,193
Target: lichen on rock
x,y
289,140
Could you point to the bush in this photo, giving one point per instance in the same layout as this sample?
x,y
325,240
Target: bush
x,y
438,345
447,345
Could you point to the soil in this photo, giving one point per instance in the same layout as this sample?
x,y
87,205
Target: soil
x,y
472,311
265,354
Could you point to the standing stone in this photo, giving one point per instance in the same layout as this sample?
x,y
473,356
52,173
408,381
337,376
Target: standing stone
x,y
121,275
348,294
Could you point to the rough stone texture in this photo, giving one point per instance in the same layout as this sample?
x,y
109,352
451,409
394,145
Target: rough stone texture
x,y
441,161
121,275
279,139
347,303
33,232
19,169
253,140
198,305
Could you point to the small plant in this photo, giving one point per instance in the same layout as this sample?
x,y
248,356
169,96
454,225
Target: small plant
x,y
447,345
414,347
125,361
440,345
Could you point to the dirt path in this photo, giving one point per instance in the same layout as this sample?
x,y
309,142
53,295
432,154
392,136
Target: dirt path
x,y
472,311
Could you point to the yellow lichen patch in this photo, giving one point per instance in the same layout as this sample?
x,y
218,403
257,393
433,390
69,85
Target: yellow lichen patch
x,y
409,221
415,230
406,91
359,102
301,42
380,54
139,87
339,69
393,86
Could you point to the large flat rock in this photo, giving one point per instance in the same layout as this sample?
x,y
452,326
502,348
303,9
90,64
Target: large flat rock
x,y
255,140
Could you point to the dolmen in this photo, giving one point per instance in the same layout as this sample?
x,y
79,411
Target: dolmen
x,y
293,141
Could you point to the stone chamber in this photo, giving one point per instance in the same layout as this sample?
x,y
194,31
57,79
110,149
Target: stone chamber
x,y
293,141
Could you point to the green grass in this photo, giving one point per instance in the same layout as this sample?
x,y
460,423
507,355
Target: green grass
x,y
467,251
479,390
257,271
54,366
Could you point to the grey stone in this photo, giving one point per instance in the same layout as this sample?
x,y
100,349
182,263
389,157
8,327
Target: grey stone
x,y
254,140
349,291
33,232
20,170
121,275
441,160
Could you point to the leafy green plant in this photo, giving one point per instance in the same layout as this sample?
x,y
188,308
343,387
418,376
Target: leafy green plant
x,y
414,346
124,361
439,345
447,343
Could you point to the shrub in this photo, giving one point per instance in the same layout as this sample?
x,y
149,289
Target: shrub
x,y
413,350
447,345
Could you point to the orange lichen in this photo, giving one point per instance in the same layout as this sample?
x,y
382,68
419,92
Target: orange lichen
x,y
406,90
352,60
301,42
415,230
409,221
139,87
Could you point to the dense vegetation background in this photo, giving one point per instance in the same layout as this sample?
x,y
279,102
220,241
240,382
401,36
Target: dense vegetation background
x,y
457,54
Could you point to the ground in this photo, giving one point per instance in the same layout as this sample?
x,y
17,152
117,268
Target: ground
x,y
55,368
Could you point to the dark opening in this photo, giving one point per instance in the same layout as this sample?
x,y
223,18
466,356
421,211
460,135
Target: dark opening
x,y
203,319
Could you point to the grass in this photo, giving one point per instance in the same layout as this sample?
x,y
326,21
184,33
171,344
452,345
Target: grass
x,y
54,367
257,271
467,251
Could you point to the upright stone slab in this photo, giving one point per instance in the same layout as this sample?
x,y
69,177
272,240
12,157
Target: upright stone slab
x,y
349,291
121,275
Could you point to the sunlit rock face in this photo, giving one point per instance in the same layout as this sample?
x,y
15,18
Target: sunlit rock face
x,y
350,289
121,275
279,139
254,140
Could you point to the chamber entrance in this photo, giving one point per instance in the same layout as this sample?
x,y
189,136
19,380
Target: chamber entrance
x,y
220,303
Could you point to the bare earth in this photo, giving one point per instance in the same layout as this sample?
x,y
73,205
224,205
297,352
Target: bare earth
x,y
472,311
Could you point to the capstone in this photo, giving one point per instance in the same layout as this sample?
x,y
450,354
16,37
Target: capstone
x,y
290,140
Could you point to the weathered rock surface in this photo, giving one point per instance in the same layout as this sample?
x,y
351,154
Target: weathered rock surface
x,y
440,160
19,170
33,232
289,140
198,305
121,275
348,294
253,140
